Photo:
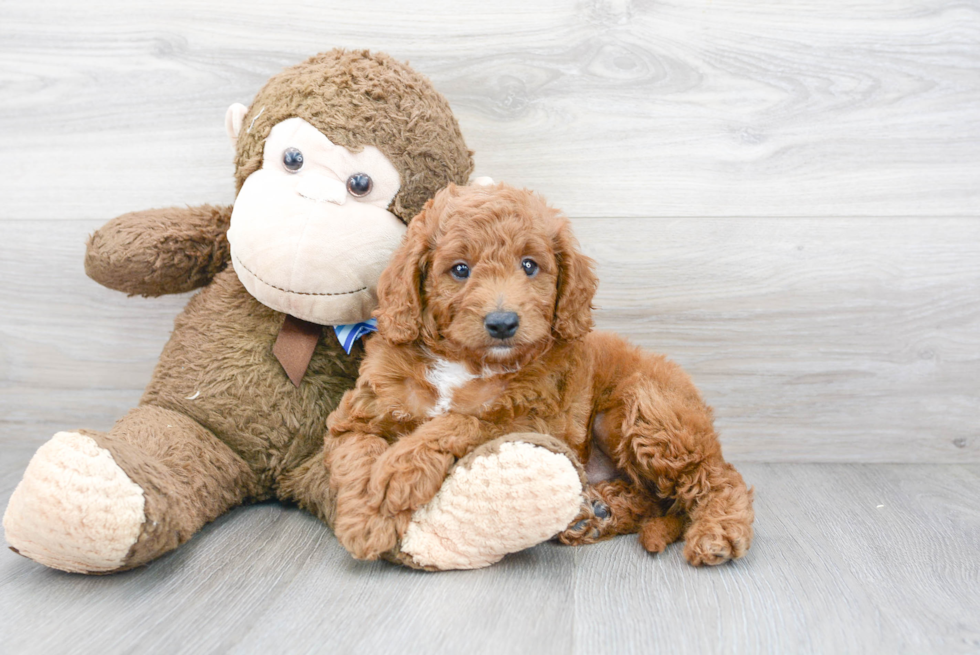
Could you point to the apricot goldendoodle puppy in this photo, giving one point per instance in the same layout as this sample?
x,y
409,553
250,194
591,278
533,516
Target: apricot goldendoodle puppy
x,y
484,323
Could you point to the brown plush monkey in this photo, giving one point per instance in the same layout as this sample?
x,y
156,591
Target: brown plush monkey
x,y
333,158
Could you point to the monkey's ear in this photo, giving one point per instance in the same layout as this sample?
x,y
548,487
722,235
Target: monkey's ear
x,y
234,118
399,311
577,283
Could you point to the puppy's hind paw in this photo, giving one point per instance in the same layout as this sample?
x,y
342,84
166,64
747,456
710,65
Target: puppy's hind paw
x,y
660,531
713,543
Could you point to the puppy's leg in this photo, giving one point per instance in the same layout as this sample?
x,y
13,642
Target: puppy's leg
x,y
611,507
617,507
410,472
657,429
658,532
666,437
408,476
721,514
378,487
357,520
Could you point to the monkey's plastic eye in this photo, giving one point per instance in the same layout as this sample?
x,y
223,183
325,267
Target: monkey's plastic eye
x,y
530,266
359,185
292,159
460,271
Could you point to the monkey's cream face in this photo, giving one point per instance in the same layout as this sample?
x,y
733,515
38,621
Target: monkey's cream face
x,y
310,232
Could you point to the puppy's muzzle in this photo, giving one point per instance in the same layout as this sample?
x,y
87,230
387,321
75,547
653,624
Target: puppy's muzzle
x,y
501,325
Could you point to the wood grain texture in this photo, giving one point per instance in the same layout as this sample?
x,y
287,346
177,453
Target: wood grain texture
x,y
815,340
611,107
847,558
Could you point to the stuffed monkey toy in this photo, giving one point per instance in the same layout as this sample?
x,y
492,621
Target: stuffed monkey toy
x,y
332,160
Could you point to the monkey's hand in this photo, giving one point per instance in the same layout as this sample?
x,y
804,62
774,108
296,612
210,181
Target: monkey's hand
x,y
160,251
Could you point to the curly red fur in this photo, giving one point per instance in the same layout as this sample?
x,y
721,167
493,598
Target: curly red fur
x,y
395,436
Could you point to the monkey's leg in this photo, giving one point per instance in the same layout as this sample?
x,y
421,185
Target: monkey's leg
x,y
93,502
507,495
512,493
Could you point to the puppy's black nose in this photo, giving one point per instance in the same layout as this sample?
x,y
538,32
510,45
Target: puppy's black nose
x,y
501,325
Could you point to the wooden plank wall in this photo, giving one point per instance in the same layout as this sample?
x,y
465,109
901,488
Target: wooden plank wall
x,y
785,197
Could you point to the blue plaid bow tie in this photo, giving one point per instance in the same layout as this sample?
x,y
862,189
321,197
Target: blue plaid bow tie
x,y
348,334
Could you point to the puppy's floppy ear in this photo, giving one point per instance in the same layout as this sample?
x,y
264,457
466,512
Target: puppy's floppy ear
x,y
399,309
577,283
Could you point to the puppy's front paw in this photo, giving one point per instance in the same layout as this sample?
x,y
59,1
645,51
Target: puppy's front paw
x,y
365,533
716,542
403,482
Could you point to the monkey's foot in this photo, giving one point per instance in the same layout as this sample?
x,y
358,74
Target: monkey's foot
x,y
508,495
74,509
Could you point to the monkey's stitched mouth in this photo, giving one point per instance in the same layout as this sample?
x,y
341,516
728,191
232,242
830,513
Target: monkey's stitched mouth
x,y
296,293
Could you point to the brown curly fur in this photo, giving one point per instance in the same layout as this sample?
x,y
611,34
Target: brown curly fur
x,y
160,251
389,445
359,98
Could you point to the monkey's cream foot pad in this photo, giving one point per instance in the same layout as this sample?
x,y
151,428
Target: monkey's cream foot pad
x,y
74,509
512,498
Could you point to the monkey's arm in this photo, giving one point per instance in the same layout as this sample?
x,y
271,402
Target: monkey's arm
x,y
160,251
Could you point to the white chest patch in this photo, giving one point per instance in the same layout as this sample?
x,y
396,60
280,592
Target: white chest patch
x,y
446,377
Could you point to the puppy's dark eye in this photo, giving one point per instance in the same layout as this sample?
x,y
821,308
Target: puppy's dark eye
x,y
530,266
460,271
359,185
292,159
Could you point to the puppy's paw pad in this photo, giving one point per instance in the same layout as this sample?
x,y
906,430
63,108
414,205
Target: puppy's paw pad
x,y
590,524
74,509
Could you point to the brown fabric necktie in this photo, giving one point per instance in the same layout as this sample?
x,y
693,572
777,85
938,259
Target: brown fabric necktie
x,y
295,345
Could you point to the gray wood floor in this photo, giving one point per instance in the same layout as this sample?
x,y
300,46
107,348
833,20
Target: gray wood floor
x,y
849,558
783,197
